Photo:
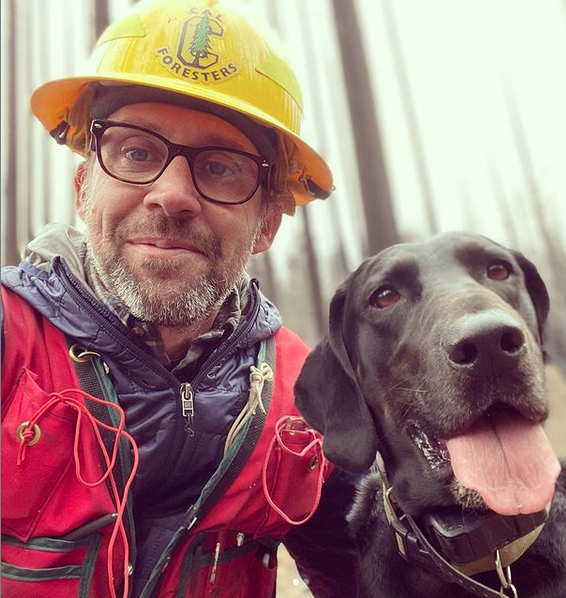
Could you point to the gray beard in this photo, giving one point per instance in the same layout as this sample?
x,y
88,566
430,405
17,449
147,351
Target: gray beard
x,y
181,305
179,308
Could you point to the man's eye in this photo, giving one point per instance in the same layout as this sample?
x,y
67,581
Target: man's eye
x,y
217,168
137,155
384,297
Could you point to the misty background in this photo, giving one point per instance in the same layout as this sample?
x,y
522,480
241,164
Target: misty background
x,y
434,116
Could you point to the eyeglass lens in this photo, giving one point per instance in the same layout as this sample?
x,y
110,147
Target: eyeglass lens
x,y
136,156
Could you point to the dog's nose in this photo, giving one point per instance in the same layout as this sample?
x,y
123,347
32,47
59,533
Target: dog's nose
x,y
488,341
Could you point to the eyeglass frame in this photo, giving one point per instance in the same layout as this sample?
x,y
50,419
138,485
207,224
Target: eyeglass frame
x,y
99,126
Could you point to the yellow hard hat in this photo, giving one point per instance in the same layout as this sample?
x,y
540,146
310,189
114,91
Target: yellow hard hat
x,y
199,49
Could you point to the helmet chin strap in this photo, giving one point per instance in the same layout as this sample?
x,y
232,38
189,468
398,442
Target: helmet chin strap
x,y
446,557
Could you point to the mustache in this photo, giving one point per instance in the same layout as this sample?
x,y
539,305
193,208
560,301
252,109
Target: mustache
x,y
171,228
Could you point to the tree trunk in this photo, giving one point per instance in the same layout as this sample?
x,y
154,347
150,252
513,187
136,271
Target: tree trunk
x,y
100,16
411,116
10,253
374,182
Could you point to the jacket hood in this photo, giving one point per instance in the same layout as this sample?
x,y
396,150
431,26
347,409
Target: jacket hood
x,y
58,239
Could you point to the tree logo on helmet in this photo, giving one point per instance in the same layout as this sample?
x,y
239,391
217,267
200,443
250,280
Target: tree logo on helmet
x,y
195,59
198,46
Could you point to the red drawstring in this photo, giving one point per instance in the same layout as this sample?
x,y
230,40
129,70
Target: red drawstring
x,y
66,397
315,443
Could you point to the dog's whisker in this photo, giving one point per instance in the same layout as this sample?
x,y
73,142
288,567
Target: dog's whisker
x,y
404,381
404,410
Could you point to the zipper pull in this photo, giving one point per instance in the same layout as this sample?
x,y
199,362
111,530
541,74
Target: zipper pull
x,y
188,407
215,562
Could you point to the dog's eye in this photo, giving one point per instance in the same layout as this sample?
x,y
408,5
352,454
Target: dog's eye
x,y
384,297
499,271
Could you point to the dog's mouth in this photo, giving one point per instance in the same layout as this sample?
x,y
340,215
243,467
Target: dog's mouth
x,y
434,451
502,458
437,458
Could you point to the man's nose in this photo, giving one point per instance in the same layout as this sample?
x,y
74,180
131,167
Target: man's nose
x,y
174,191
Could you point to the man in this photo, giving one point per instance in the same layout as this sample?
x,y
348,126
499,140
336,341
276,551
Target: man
x,y
151,446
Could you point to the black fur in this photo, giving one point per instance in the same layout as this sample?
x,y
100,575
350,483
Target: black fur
x,y
393,361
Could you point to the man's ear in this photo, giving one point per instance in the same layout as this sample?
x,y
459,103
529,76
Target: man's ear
x,y
267,233
79,183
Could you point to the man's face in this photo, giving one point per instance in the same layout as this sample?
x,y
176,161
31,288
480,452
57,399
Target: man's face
x,y
168,254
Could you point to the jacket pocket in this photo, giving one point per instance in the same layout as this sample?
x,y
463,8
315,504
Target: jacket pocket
x,y
30,484
294,471
48,567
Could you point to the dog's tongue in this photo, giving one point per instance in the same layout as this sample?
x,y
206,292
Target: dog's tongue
x,y
509,462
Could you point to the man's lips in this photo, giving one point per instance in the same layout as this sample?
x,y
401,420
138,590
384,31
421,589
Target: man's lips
x,y
164,245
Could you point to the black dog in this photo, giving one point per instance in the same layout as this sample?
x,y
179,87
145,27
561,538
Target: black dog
x,y
434,358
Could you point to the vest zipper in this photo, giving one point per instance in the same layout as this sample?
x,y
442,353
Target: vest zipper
x,y
188,407
187,389
205,503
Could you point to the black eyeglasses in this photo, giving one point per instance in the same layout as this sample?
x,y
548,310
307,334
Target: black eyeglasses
x,y
139,156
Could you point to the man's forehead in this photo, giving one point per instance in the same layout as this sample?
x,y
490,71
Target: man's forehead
x,y
109,99
176,123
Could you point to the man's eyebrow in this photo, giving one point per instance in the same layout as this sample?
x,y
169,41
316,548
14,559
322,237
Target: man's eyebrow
x,y
209,138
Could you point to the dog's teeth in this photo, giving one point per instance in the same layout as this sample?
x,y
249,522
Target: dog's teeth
x,y
434,451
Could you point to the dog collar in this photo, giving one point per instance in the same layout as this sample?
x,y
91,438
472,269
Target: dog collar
x,y
415,547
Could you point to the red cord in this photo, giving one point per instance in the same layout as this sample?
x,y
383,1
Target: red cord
x,y
66,397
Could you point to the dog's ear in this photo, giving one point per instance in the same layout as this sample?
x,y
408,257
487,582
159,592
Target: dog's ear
x,y
328,396
535,287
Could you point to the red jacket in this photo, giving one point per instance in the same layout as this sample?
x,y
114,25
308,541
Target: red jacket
x,y
60,496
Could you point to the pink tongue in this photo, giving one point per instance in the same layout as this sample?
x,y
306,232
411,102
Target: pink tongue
x,y
509,462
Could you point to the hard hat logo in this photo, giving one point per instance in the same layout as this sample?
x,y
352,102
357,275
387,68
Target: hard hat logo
x,y
197,40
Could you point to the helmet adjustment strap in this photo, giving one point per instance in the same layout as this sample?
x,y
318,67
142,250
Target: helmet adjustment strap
x,y
60,132
312,188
